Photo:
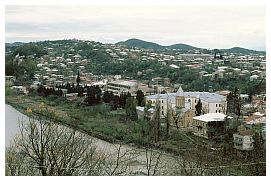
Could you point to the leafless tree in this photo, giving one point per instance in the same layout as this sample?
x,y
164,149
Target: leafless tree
x,y
45,148
153,160
119,162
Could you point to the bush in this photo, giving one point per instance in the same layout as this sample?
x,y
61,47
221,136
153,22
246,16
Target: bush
x,y
9,91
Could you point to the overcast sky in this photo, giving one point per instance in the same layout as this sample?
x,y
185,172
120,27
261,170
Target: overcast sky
x,y
201,26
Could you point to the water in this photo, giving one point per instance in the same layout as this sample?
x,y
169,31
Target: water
x,y
12,117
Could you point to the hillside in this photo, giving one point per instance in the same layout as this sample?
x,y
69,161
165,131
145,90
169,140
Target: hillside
x,y
150,45
239,50
182,47
140,44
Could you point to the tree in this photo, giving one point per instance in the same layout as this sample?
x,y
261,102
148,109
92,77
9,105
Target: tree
x,y
152,161
130,109
45,148
50,149
115,103
155,123
78,80
91,99
107,97
140,98
198,108
234,102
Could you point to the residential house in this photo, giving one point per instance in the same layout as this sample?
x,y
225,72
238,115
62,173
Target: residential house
x,y
210,126
243,139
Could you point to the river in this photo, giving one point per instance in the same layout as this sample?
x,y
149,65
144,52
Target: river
x,y
12,117
167,160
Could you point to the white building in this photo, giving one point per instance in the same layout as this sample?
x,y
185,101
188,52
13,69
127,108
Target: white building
x,y
204,125
243,140
211,102
122,86
253,77
20,89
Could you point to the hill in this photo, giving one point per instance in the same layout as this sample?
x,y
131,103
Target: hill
x,y
182,47
239,50
140,44
150,45
130,43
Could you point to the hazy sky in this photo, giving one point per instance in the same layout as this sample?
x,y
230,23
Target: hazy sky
x,y
201,26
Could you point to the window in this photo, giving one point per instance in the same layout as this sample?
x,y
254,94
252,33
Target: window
x,y
162,101
162,107
219,111
162,112
195,101
215,105
219,105
216,111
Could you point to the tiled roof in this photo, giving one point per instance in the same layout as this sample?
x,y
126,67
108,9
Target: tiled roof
x,y
204,96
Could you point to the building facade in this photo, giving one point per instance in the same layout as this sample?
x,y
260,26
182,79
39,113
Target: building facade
x,y
122,86
210,126
243,140
182,104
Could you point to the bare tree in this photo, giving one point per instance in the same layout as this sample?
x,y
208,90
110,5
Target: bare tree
x,y
51,149
118,163
45,148
153,159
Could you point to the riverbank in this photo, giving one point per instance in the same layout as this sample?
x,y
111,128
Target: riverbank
x,y
100,122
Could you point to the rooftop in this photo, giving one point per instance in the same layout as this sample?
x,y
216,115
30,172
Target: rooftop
x,y
204,96
211,117
124,82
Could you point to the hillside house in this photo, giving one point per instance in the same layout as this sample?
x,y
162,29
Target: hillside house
x,y
210,126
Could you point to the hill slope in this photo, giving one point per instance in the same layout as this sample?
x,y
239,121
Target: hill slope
x,y
140,44
150,45
240,50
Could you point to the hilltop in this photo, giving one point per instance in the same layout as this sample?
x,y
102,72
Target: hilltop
x,y
137,43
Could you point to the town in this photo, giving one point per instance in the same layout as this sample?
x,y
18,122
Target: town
x,y
206,95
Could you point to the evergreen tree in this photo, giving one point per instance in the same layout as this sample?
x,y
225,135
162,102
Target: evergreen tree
x,y
107,97
140,98
91,99
78,80
156,122
198,108
130,108
234,102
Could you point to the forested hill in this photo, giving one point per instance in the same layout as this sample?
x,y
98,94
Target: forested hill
x,y
240,50
150,45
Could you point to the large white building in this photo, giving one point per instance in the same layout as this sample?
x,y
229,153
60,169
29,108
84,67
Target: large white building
x,y
122,86
211,102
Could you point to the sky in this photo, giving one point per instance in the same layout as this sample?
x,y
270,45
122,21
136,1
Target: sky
x,y
201,26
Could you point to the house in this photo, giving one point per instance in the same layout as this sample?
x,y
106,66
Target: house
x,y
10,80
210,126
243,139
19,89
218,74
253,77
35,85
